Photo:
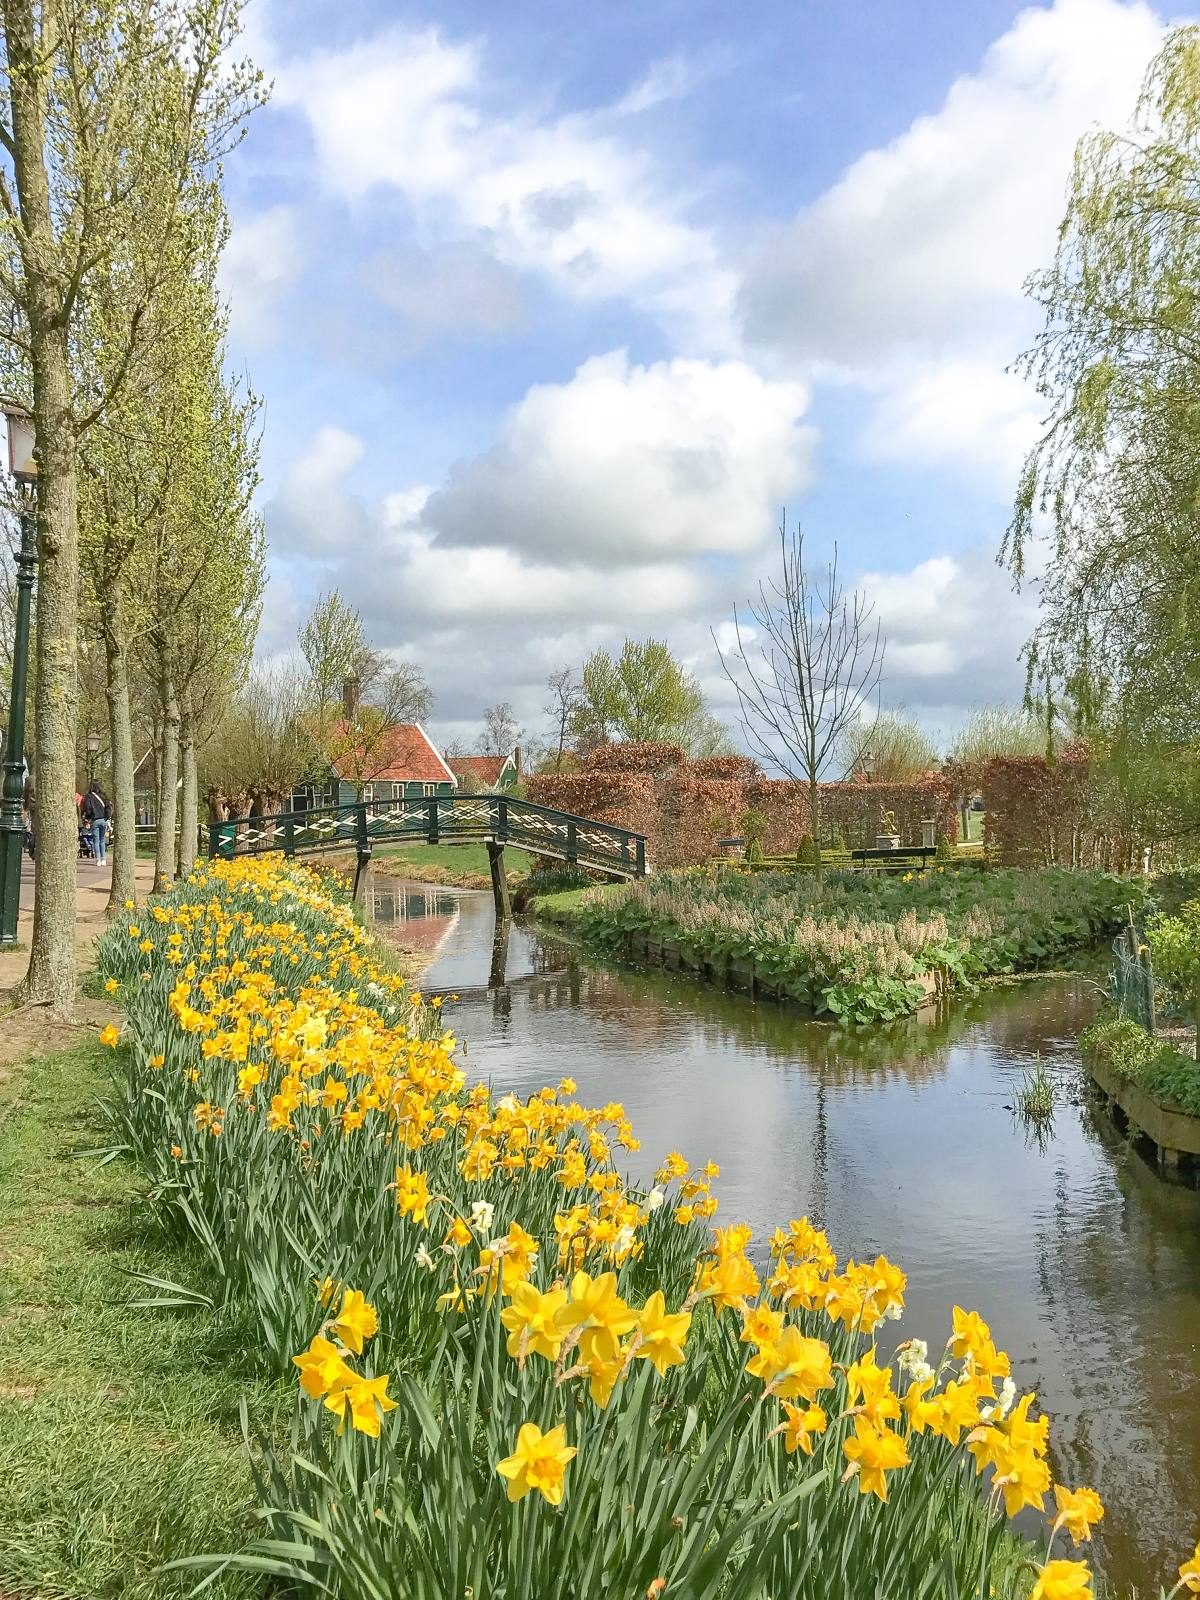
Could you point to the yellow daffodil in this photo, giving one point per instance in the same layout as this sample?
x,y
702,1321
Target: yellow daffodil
x,y
533,1320
802,1426
366,1399
1063,1580
323,1368
793,1365
595,1303
869,1390
661,1334
538,1462
872,1453
1189,1573
110,1036
356,1321
1078,1511
412,1194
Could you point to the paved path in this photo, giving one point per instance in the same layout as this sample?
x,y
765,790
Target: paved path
x,y
26,1031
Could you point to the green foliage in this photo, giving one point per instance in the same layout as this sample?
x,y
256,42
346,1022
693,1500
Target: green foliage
x,y
1153,1064
642,696
1035,1097
892,749
1116,473
859,948
1170,890
806,850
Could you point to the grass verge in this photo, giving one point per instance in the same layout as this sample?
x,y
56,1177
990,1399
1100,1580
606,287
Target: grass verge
x,y
120,1445
460,866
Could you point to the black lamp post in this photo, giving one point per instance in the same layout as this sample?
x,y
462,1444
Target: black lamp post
x,y
23,467
93,749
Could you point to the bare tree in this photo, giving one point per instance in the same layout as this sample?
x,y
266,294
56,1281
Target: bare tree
x,y
561,707
501,731
808,659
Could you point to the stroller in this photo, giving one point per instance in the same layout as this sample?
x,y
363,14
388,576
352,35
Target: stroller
x,y
87,848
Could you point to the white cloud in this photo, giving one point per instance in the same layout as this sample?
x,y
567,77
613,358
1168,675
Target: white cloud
x,y
261,261
954,629
920,240
967,415
313,514
628,462
566,196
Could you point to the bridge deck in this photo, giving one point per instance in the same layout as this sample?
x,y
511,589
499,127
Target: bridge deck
x,y
443,819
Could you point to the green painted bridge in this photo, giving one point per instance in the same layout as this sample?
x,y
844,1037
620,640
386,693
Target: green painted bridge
x,y
495,819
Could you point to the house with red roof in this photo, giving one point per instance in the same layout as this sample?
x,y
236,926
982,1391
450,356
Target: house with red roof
x,y
402,763
485,772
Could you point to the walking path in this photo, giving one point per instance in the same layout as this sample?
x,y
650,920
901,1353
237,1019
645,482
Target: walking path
x,y
29,1031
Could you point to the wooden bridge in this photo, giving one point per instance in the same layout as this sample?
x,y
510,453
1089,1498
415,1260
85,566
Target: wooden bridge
x,y
495,819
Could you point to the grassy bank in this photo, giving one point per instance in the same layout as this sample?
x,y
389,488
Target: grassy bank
x,y
861,948
119,1437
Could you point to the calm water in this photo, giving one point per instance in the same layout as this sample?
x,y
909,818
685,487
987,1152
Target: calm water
x,y
901,1141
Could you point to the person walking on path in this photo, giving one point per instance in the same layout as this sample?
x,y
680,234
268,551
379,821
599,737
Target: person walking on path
x,y
97,813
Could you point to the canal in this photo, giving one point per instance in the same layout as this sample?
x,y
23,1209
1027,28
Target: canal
x,y
901,1140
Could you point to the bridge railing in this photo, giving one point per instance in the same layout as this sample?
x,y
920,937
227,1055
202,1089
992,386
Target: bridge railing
x,y
361,825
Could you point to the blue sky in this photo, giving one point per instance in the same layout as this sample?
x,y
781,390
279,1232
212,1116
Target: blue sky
x,y
553,308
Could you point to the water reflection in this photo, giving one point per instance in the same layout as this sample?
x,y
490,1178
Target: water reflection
x,y
902,1140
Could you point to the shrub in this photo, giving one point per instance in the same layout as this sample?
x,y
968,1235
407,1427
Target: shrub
x,y
1174,944
858,947
1132,1053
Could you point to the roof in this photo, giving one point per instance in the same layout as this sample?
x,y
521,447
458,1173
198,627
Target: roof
x,y
411,757
488,769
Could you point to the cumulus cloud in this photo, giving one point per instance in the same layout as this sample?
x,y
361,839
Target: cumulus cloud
x,y
968,416
921,239
565,196
626,462
313,514
954,628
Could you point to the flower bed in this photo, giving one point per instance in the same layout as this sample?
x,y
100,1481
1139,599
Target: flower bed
x,y
518,1373
861,947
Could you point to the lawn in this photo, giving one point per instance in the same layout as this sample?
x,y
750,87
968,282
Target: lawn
x,y
447,863
120,1443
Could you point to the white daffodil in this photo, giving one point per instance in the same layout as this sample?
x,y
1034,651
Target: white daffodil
x,y
654,1199
482,1213
424,1259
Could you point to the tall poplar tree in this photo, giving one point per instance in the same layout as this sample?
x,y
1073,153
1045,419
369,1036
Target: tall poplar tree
x,y
109,110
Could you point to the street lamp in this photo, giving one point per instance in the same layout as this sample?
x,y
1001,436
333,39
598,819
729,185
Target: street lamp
x,y
22,464
866,763
93,749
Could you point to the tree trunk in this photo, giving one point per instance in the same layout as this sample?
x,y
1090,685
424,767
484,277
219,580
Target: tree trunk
x,y
120,732
50,979
814,822
164,849
188,795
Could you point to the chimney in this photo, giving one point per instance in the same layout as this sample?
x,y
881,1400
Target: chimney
x,y
517,762
350,690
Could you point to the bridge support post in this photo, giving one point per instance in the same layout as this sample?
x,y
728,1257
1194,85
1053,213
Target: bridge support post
x,y
499,881
362,869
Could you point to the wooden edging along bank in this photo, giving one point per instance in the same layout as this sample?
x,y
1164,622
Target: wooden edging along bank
x,y
1174,1133
731,972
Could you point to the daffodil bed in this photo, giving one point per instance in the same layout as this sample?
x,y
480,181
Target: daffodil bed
x,y
518,1374
858,946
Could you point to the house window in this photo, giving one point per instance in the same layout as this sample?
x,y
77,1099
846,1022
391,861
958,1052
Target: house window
x,y
430,790
397,791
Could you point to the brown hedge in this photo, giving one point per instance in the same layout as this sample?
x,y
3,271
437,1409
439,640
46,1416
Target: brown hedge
x,y
684,808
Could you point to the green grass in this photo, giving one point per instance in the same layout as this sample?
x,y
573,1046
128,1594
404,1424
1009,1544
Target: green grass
x,y
456,858
120,1445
